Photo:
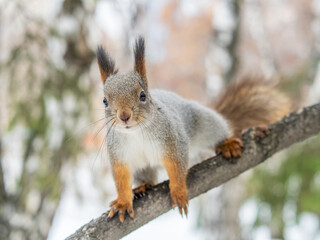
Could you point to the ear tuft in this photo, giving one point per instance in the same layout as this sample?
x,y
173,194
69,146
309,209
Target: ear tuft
x,y
139,63
106,64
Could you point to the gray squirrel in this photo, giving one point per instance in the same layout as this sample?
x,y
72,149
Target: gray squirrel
x,y
151,128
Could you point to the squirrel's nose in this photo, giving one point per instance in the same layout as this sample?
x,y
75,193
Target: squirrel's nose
x,y
125,116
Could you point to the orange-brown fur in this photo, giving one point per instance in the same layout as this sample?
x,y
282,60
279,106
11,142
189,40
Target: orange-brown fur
x,y
230,147
139,65
103,74
251,102
177,183
246,104
123,203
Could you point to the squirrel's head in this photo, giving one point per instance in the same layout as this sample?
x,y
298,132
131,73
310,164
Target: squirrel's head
x,y
126,97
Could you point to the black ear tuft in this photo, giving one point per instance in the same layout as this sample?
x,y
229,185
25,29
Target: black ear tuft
x,y
106,64
139,63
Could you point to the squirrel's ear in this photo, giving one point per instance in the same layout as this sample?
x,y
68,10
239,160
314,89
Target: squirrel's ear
x,y
139,61
106,64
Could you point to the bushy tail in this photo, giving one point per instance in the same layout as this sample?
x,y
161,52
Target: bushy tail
x,y
249,103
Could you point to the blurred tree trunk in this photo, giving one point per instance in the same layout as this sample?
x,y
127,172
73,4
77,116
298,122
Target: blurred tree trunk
x,y
39,85
231,198
2,188
221,60
258,33
314,92
225,224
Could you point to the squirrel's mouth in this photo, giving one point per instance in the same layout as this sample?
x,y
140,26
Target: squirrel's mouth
x,y
128,126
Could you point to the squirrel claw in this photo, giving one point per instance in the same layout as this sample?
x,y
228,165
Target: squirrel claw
x,y
180,200
141,190
121,207
121,216
183,210
111,213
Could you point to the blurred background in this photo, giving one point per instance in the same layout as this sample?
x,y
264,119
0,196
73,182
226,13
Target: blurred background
x,y
54,176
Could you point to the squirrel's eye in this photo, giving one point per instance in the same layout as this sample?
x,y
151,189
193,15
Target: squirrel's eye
x,y
143,96
105,102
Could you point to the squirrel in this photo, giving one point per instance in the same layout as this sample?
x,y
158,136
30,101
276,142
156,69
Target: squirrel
x,y
151,128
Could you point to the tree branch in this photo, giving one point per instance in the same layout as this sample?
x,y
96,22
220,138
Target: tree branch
x,y
208,174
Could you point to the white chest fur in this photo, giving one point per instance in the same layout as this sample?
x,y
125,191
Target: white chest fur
x,y
139,150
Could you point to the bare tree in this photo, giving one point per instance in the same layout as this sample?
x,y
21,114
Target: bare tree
x,y
34,80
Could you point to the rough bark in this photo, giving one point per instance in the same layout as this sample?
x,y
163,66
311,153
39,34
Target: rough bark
x,y
208,174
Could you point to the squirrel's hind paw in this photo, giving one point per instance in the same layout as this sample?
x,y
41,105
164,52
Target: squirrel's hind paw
x,y
141,190
232,147
261,131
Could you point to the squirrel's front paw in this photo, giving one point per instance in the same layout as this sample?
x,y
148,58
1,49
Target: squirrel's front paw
x,y
232,147
179,197
121,207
